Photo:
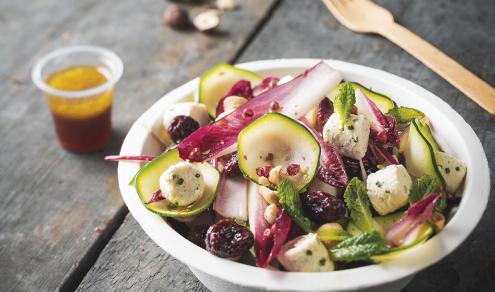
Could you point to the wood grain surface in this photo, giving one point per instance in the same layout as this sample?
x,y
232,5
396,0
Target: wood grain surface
x,y
53,200
58,209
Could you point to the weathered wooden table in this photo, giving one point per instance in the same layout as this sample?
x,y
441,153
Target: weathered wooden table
x,y
53,203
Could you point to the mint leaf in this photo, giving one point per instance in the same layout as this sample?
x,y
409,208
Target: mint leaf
x,y
344,101
405,114
290,201
360,247
356,200
424,186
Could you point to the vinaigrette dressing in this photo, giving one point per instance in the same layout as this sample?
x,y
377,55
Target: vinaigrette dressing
x,y
82,124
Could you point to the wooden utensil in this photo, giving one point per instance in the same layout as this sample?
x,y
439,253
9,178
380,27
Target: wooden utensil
x,y
364,16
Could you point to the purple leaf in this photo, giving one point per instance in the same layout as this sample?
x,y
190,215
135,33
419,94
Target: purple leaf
x,y
242,88
129,158
393,134
267,84
416,215
155,197
324,111
273,238
382,153
332,169
294,99
368,108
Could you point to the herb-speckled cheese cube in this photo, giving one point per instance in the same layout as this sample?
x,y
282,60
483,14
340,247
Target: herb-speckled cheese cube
x,y
352,141
305,253
182,184
388,188
452,169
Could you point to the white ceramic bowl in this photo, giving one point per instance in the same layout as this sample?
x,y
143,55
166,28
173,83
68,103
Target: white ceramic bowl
x,y
218,274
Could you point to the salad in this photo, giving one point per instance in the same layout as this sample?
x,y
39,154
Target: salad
x,y
310,173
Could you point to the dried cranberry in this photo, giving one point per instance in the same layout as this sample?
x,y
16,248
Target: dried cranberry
x,y
274,106
293,169
247,113
324,111
369,165
263,170
181,127
353,169
322,207
228,239
231,167
197,235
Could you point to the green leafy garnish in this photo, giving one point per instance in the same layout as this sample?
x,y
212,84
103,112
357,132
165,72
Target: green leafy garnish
x,y
356,200
424,186
360,247
290,201
405,114
344,101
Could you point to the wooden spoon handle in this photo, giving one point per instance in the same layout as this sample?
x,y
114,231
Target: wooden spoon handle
x,y
471,85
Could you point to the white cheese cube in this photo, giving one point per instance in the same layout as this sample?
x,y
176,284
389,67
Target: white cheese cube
x,y
182,184
197,111
452,169
305,253
388,188
352,141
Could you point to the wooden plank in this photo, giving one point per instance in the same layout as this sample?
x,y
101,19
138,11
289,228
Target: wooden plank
x,y
306,29
54,203
132,261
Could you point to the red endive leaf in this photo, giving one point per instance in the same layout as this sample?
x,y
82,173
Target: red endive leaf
x,y
416,215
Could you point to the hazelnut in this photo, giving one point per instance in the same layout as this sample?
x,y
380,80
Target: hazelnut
x,y
207,21
176,17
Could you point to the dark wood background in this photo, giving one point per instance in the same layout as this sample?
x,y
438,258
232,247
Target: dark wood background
x,y
53,203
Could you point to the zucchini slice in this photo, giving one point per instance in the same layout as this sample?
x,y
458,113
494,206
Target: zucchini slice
x,y
383,102
217,81
420,154
284,140
147,182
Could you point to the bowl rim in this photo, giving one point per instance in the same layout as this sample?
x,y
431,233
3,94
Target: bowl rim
x,y
475,199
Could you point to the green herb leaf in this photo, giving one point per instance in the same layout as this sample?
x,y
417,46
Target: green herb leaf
x,y
344,101
405,114
290,201
360,247
356,200
424,186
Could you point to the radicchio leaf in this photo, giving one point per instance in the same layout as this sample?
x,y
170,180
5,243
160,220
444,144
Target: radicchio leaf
x,y
382,153
379,124
416,215
155,197
241,88
324,111
266,84
294,98
273,238
332,169
129,158
231,199
393,133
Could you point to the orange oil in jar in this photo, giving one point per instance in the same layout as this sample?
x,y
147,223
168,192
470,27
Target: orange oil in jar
x,y
82,124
